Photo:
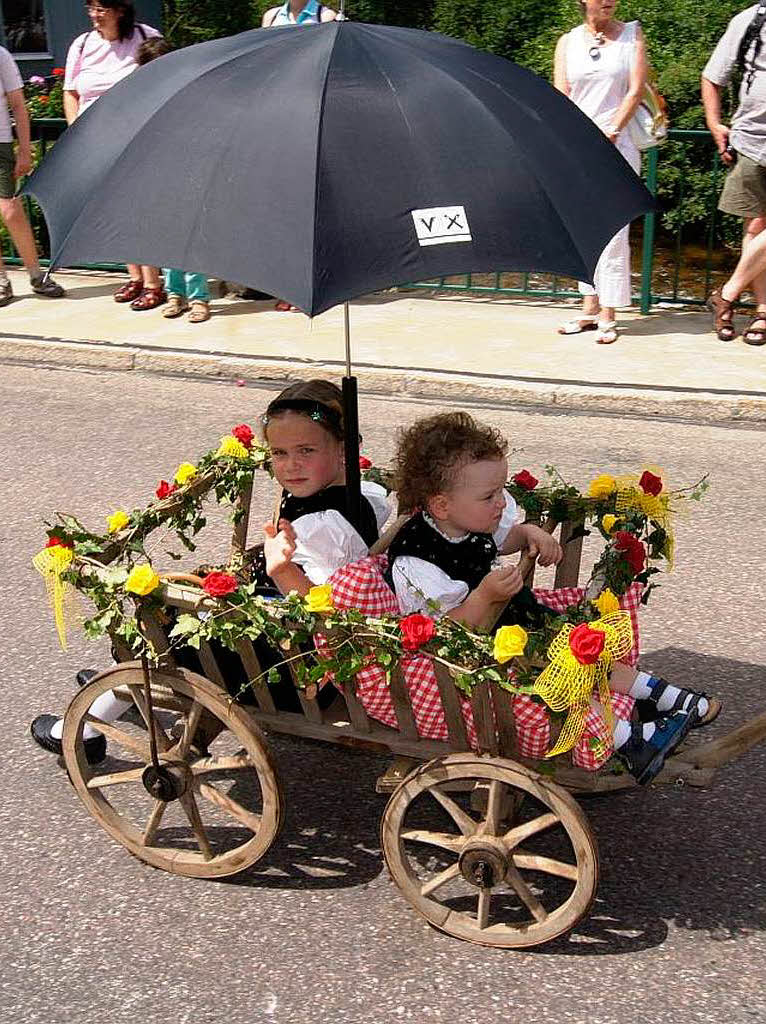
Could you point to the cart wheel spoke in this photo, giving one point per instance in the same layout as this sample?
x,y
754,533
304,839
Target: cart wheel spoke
x,y
150,830
464,821
248,818
139,699
518,834
116,778
482,913
525,894
122,739
532,862
234,762
190,727
189,805
494,808
441,839
439,880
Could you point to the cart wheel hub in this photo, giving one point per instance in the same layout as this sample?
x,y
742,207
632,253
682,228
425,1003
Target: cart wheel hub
x,y
165,783
483,862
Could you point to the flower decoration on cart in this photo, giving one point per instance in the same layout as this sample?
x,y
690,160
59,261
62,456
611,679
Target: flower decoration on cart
x,y
564,664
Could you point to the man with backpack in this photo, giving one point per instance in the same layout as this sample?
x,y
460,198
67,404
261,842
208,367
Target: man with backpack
x,y
742,148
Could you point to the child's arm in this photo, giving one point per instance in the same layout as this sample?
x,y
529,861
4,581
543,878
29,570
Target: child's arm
x,y
278,549
484,604
535,540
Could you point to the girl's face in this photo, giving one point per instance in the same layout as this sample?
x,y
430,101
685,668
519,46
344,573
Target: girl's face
x,y
305,456
104,19
599,10
476,500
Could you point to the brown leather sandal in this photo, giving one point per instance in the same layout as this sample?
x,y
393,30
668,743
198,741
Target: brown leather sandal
x,y
150,298
753,335
723,315
129,291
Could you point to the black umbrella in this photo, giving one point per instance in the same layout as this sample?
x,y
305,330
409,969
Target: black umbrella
x,y
328,162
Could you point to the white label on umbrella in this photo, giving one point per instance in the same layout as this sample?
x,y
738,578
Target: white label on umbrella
x,y
441,224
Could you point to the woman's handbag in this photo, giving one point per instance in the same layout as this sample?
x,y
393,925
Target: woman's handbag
x,y
649,125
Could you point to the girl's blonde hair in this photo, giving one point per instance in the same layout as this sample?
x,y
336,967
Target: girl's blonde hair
x,y
318,400
432,451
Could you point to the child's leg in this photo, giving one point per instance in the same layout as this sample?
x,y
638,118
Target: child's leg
x,y
175,282
663,698
196,288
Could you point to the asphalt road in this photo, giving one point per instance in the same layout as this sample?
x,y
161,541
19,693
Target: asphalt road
x,y
316,931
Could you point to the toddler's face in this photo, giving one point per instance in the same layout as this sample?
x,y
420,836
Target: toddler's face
x,y
476,501
306,457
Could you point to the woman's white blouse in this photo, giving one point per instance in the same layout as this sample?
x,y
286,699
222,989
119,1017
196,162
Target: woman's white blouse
x,y
417,582
326,541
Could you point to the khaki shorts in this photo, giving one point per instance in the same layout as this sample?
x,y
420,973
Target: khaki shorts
x,y
744,191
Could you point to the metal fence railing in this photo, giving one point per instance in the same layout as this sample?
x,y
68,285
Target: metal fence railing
x,y
692,177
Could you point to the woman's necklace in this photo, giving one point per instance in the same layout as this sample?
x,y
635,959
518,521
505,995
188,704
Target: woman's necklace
x,y
599,40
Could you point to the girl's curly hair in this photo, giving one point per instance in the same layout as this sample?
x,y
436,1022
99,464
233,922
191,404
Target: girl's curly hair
x,y
431,451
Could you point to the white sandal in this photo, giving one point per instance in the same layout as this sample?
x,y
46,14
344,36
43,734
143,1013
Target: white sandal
x,y
607,332
583,323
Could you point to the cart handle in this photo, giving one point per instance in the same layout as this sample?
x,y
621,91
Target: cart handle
x,y
180,577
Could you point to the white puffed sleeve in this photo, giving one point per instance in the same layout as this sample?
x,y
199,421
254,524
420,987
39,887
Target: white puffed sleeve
x,y
416,582
326,542
512,515
378,498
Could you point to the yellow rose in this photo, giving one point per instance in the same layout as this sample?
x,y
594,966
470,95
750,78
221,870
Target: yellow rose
x,y
319,599
608,522
231,446
117,521
184,473
142,580
606,602
602,486
510,641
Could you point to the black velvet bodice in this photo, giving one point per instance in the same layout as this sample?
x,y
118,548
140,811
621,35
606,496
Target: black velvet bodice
x,y
331,498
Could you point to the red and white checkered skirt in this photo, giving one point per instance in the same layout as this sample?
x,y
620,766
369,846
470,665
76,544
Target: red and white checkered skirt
x,y
361,586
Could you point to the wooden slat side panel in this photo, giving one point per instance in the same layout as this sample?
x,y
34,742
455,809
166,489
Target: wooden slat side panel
x,y
254,670
155,632
356,713
568,569
401,702
452,708
483,719
506,723
210,666
239,536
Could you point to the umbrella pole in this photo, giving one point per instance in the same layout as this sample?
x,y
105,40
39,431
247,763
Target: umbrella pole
x,y
351,432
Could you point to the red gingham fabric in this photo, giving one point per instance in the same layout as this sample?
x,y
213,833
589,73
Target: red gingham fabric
x,y
360,585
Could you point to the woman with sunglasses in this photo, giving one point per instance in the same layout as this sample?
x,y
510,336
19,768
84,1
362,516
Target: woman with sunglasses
x,y
96,61
601,66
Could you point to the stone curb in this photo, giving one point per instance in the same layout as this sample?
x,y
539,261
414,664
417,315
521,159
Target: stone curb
x,y
553,396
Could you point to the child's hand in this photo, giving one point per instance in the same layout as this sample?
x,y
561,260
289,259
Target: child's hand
x,y
540,543
278,547
501,585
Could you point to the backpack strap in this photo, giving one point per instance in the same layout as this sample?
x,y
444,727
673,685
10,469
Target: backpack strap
x,y
751,37
142,32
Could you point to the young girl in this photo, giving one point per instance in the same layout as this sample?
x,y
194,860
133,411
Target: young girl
x,y
303,427
452,470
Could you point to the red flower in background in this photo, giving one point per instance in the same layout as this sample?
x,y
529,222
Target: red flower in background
x,y
586,644
416,631
243,434
165,489
58,72
219,584
525,480
632,548
364,462
650,483
57,542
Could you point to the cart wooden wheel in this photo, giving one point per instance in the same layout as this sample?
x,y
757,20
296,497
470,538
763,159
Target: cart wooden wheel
x,y
482,877
207,813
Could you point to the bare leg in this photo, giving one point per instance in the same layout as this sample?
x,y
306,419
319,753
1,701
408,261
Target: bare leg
x,y
754,228
751,268
16,221
150,275
135,272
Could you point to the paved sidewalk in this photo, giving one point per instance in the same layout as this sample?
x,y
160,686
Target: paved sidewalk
x,y
460,347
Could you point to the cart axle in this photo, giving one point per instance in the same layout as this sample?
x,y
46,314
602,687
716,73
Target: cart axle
x,y
166,783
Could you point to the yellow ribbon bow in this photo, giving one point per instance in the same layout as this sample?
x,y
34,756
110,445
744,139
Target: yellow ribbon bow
x,y
52,563
567,684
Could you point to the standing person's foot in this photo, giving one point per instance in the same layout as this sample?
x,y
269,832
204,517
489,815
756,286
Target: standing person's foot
x,y
200,312
42,285
577,326
129,291
6,293
150,298
755,332
175,307
607,332
723,315
283,306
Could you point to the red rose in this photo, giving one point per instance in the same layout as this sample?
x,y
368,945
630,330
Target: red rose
x,y
43,99
632,548
416,631
586,644
57,542
165,489
525,480
243,434
59,72
650,484
364,462
219,584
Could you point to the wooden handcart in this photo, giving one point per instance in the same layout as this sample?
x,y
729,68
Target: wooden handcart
x,y
488,847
